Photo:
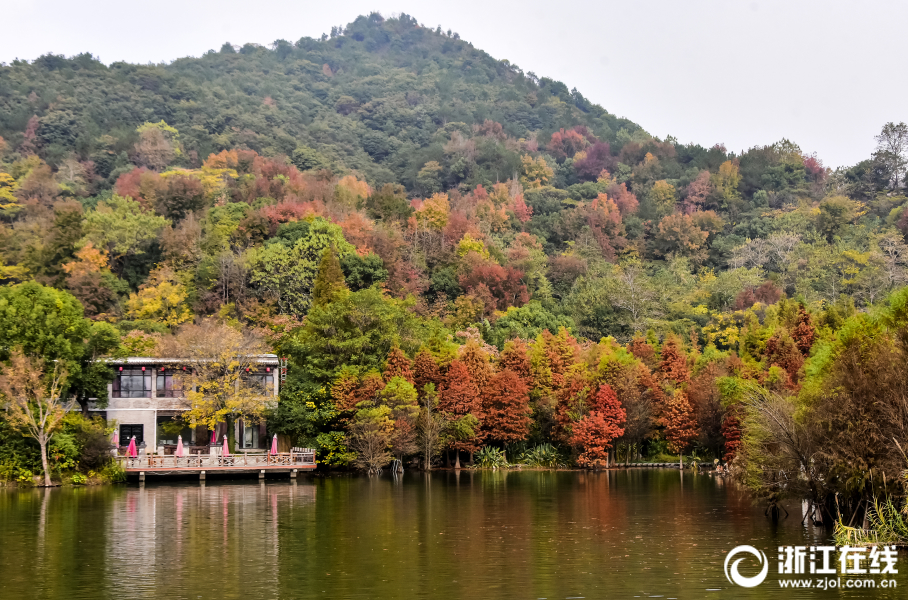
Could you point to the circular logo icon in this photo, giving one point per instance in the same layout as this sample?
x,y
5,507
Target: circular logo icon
x,y
732,574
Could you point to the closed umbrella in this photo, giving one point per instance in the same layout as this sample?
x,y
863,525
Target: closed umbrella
x,y
214,437
226,451
131,451
179,450
274,444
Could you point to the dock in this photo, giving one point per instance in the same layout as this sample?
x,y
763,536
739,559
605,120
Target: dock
x,y
202,464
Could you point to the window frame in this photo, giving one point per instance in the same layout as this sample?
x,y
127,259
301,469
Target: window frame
x,y
117,390
163,373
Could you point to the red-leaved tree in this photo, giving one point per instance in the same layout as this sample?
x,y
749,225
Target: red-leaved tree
x,y
592,435
506,408
782,351
731,431
522,210
514,358
460,397
504,285
598,158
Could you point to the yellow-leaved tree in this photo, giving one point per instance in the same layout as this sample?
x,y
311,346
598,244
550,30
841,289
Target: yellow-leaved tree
x,y
34,403
536,172
8,201
351,192
727,180
434,212
162,298
217,384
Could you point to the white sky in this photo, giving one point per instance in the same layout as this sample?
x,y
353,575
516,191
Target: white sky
x,y
825,74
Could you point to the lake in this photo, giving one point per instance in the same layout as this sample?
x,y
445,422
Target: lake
x,y
524,535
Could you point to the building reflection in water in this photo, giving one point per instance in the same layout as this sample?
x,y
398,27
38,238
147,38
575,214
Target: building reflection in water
x,y
169,536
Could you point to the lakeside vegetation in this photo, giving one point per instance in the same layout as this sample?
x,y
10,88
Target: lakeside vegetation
x,y
458,257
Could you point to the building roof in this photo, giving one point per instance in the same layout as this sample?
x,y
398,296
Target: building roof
x,y
262,359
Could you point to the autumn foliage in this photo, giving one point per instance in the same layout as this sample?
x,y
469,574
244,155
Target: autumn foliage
x,y
459,397
593,434
506,408
679,421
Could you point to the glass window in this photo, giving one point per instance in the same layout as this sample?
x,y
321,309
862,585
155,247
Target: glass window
x,y
264,381
132,383
127,431
168,384
168,430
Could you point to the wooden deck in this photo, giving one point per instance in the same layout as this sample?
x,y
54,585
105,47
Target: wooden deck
x,y
261,463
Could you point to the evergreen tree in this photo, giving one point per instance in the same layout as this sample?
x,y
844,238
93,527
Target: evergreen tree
x,y
329,284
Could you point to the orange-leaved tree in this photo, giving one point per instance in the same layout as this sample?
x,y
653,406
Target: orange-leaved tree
x,y
398,365
673,365
679,422
426,370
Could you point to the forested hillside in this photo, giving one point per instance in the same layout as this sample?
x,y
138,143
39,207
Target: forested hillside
x,y
391,189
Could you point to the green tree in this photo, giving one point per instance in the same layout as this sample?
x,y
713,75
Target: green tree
x,y
836,212
525,322
355,332
50,324
121,227
287,274
329,284
389,203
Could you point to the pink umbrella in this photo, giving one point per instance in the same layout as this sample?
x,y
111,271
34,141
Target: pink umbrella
x,y
214,437
226,451
131,451
274,444
179,450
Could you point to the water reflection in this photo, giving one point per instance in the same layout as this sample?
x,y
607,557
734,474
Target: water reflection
x,y
464,534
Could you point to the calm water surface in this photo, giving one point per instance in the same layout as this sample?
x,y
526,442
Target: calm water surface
x,y
522,535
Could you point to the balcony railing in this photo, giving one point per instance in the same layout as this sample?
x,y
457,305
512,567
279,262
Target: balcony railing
x,y
304,459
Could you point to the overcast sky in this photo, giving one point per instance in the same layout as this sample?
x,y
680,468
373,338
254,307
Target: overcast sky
x,y
825,74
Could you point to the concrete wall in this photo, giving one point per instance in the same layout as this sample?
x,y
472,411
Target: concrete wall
x,y
144,411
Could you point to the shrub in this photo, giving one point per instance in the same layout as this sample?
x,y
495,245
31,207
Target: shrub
x,y
543,455
490,458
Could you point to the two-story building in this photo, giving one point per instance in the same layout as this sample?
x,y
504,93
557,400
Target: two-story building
x,y
145,401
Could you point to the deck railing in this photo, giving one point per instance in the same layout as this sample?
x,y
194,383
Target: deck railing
x,y
239,461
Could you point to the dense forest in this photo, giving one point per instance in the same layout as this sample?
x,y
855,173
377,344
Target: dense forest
x,y
442,242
